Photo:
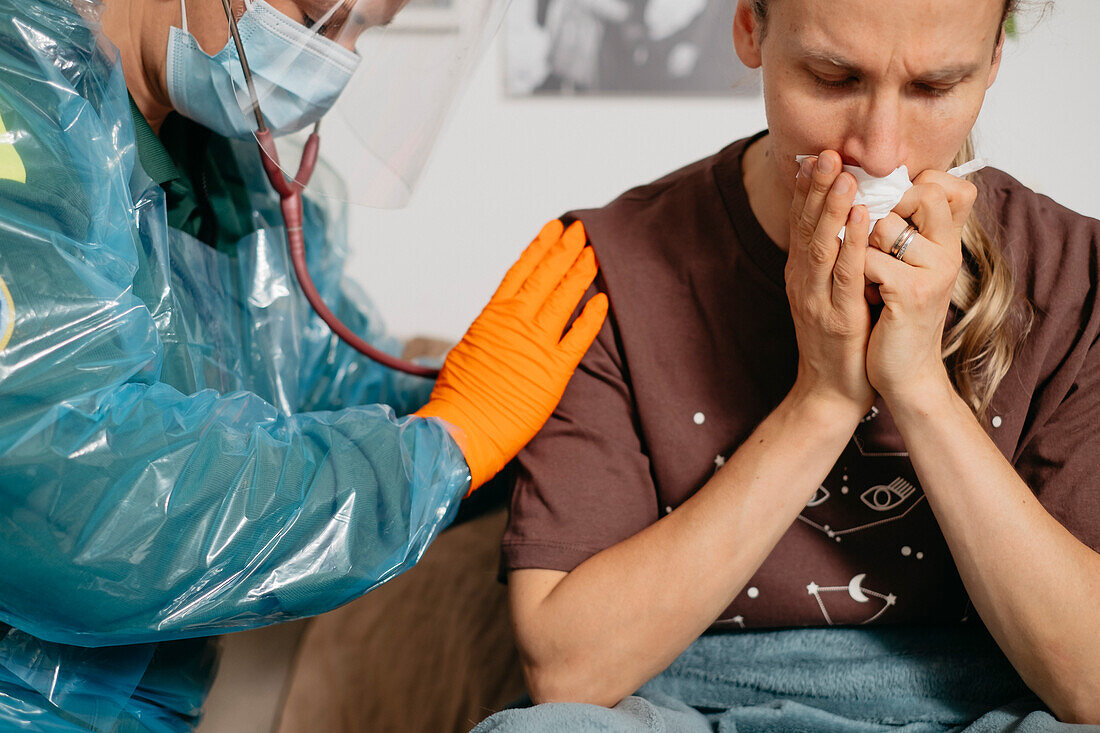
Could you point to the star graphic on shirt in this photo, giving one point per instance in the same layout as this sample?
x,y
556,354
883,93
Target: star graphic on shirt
x,y
719,461
891,599
739,620
813,588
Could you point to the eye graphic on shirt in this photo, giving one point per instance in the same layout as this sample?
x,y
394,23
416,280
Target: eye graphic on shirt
x,y
820,497
884,498
844,505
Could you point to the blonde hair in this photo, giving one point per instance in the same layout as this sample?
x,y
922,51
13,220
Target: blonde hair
x,y
993,321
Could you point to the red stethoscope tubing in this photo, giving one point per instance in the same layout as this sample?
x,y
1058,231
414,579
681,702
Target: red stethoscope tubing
x,y
290,201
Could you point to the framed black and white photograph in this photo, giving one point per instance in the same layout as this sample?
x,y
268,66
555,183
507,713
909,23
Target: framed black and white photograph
x,y
624,47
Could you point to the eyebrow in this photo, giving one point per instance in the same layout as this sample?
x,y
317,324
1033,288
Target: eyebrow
x,y
946,74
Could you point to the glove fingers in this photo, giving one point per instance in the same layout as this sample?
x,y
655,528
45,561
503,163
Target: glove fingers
x,y
585,328
530,259
555,312
555,263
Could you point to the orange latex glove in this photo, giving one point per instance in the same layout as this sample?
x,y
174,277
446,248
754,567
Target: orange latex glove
x,y
500,384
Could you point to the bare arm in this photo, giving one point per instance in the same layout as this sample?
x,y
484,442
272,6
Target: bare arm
x,y
601,631
598,633
1034,584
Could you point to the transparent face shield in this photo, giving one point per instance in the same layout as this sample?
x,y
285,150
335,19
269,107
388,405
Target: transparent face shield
x,y
387,94
382,74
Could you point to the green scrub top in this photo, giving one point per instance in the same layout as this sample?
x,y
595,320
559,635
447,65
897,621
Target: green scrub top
x,y
206,193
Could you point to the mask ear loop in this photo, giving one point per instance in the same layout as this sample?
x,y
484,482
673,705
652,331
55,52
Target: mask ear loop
x,y
290,201
183,15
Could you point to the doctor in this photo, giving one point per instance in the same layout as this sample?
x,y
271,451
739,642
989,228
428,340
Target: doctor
x,y
185,448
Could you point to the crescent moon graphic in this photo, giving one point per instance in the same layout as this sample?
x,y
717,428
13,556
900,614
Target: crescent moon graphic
x,y
855,591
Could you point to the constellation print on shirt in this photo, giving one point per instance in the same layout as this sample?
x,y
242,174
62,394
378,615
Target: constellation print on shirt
x,y
884,498
856,592
872,484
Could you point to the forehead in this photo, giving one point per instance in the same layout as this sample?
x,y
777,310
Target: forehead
x,y
882,34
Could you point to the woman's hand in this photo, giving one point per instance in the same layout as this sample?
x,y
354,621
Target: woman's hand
x,y
825,286
904,357
500,384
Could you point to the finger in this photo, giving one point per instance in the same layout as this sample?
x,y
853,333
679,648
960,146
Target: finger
x,y
926,206
887,232
530,258
871,294
824,247
555,263
557,309
848,277
961,194
889,273
802,182
822,179
585,328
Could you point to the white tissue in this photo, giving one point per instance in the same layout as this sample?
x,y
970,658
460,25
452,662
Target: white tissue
x,y
881,195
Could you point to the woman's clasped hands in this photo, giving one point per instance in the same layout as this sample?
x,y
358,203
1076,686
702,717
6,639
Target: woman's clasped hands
x,y
844,356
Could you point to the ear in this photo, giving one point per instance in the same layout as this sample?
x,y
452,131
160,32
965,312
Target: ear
x,y
995,66
746,34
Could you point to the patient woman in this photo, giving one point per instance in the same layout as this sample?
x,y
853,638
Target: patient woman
x,y
799,482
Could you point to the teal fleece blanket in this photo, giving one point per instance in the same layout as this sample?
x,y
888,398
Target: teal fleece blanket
x,y
924,679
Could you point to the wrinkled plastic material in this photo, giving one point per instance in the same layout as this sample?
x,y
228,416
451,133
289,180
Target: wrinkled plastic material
x,y
399,101
185,449
391,115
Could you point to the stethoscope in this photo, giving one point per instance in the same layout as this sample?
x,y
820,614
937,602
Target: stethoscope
x,y
290,201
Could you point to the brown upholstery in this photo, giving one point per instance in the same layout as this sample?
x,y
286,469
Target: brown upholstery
x,y
430,651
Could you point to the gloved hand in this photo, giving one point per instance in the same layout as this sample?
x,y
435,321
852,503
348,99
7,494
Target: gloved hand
x,y
500,384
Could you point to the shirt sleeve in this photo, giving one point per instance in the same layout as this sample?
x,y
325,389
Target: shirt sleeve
x,y
132,510
1061,461
584,483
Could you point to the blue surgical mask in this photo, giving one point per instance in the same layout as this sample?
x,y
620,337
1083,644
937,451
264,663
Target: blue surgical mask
x,y
298,75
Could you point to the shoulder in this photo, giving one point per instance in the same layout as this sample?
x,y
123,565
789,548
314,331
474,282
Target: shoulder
x,y
1041,237
59,102
1054,254
655,218
53,44
1055,257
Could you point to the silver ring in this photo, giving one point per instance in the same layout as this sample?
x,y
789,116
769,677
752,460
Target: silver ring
x,y
897,242
901,244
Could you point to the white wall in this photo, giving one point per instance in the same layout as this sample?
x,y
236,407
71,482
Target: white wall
x,y
505,166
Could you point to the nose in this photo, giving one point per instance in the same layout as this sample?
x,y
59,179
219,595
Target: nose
x,y
874,141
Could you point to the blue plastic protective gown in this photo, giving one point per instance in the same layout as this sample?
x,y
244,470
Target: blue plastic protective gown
x,y
185,449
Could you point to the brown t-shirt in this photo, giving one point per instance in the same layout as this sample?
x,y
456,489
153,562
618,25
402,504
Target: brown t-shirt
x,y
699,348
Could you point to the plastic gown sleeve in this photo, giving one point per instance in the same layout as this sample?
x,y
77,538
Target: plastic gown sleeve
x,y
130,510
344,377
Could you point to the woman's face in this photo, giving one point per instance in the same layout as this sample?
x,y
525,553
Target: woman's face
x,y
884,84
